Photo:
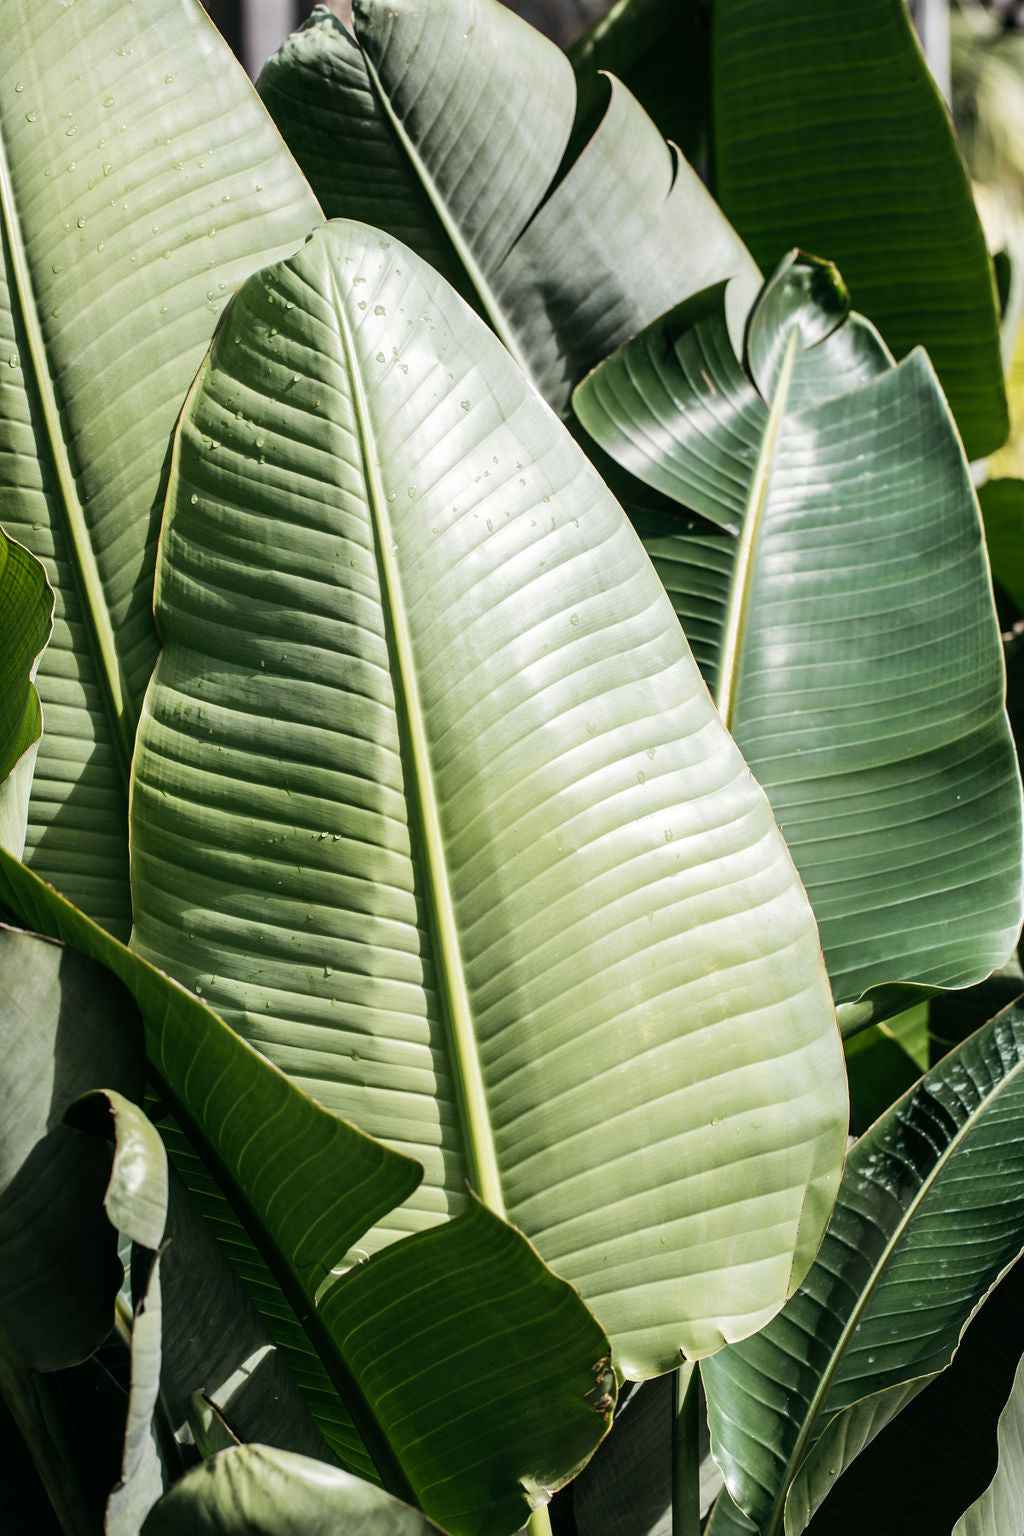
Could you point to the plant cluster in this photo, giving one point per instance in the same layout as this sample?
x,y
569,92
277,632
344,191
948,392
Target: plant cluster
x,y
503,766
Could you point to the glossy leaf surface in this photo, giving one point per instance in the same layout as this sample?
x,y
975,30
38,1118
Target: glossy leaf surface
x,y
939,1454
842,612
140,181
431,802
830,134
930,1213
447,127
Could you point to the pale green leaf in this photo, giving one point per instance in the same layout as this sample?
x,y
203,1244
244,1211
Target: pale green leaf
x,y
432,804
140,181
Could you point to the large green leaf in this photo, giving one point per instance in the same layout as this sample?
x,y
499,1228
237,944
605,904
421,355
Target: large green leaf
x,y
140,181
432,804
840,605
830,134
508,1346
447,126
256,1491
939,1454
930,1213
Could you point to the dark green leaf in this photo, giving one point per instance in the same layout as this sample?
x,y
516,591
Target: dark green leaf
x,y
830,134
930,1213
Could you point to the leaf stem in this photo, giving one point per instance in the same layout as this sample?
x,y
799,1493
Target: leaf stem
x,y
686,1452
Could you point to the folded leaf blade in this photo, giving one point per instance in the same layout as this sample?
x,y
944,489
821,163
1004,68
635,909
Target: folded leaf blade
x,y
853,646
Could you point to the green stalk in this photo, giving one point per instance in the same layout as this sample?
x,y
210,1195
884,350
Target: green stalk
x,y
686,1451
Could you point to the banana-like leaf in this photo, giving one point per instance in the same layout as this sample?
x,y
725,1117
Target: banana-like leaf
x,y
939,1454
830,134
140,181
452,127
841,608
930,1213
256,1491
431,802
508,1347
26,618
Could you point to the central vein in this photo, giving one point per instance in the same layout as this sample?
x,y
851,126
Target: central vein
x,y
739,596
480,1153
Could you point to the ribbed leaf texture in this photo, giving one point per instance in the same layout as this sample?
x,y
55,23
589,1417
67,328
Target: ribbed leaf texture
x,y
452,127
930,1213
431,802
140,181
841,607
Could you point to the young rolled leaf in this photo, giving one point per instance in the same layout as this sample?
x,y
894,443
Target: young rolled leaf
x,y
26,617
431,802
930,1213
126,224
257,1491
448,129
840,600
882,192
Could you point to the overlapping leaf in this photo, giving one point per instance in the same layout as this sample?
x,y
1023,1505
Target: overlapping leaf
x,y
930,1213
830,134
840,605
255,1491
140,181
453,129
307,1185
431,802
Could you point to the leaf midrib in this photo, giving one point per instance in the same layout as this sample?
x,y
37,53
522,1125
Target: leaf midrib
x,y
739,592
492,310
480,1151
795,1460
89,584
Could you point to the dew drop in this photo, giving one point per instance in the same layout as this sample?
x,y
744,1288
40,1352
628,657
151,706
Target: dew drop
x,y
106,168
168,79
13,360
380,357
194,499
69,133
166,255
81,223
30,117
108,101
361,304
641,778
464,404
259,442
99,245
20,87
379,309
56,268
574,620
